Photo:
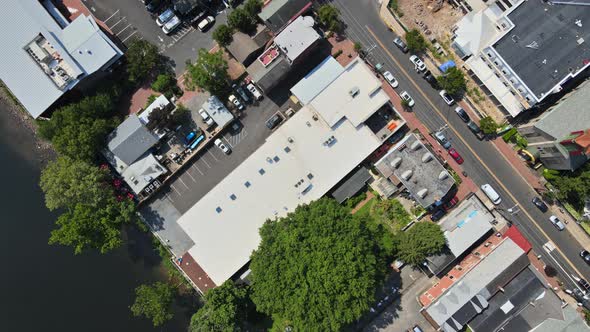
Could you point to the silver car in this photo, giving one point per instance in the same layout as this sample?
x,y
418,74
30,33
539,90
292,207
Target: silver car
x,y
557,223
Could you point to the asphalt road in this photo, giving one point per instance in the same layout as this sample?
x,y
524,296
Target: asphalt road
x,y
483,163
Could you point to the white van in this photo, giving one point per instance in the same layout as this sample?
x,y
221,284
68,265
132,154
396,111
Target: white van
x,y
491,193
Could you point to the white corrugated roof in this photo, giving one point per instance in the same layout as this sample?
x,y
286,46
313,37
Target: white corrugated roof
x,y
317,80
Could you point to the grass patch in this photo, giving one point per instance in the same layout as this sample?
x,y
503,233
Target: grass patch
x,y
389,213
455,176
585,226
365,210
393,5
570,208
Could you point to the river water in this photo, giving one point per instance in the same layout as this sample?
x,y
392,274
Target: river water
x,y
47,288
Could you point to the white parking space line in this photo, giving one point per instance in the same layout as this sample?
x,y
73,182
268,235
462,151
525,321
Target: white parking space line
x,y
181,181
115,13
119,21
174,188
205,161
212,155
189,174
125,28
168,198
134,32
197,168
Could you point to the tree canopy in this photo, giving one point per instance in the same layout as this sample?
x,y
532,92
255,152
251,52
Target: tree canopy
x,y
316,268
240,19
154,302
453,81
415,41
142,57
166,84
226,309
416,243
79,130
488,125
253,7
573,187
209,72
223,35
93,217
329,17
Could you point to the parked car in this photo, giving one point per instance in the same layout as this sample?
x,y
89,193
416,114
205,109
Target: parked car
x,y
240,90
440,137
462,114
236,102
437,215
456,156
206,23
166,16
431,79
152,6
491,193
171,25
400,44
274,121
584,284
222,146
254,91
557,223
406,96
446,97
199,14
450,204
585,256
418,63
540,204
475,129
206,118
390,79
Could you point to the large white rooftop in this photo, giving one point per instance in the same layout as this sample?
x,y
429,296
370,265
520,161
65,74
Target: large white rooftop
x,y
299,163
29,31
297,37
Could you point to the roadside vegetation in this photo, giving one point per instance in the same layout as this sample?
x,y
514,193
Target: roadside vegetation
x,y
329,18
488,125
453,81
415,41
209,72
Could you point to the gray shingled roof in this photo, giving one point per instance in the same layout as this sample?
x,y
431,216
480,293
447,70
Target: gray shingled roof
x,y
131,140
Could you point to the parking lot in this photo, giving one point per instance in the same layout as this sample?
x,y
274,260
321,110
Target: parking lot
x,y
128,19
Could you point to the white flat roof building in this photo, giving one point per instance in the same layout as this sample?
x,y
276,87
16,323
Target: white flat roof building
x,y
301,161
41,60
297,37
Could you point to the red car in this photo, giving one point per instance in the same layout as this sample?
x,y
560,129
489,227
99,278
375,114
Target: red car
x,y
456,156
448,205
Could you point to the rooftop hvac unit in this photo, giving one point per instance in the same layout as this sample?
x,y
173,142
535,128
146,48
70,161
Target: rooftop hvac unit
x,y
422,192
427,157
415,146
354,92
407,174
396,162
443,175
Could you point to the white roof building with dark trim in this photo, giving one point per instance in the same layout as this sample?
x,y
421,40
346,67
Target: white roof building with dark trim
x,y
41,60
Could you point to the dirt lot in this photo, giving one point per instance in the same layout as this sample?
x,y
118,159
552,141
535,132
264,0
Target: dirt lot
x,y
434,18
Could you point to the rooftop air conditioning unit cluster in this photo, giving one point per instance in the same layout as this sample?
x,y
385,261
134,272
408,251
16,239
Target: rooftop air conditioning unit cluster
x,y
427,157
415,146
422,192
396,162
331,140
407,175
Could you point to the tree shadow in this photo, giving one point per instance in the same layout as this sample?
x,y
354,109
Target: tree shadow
x,y
139,245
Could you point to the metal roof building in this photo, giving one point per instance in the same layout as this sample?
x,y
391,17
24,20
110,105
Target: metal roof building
x,y
317,80
41,60
300,162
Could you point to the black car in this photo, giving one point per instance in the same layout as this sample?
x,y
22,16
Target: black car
x,y
437,215
274,121
585,255
400,44
462,114
540,204
431,79
584,284
475,129
240,91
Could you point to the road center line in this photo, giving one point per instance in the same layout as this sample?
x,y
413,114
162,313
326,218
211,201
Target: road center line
x,y
450,126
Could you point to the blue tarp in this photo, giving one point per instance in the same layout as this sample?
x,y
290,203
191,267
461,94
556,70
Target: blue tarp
x,y
445,66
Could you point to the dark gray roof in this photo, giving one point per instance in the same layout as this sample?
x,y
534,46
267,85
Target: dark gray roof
x,y
352,184
553,39
269,76
279,13
243,47
130,140
438,263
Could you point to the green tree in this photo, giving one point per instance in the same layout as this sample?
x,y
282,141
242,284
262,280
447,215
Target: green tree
x,y
180,115
226,309
93,226
316,268
488,125
415,41
66,182
392,213
329,17
421,240
573,187
166,84
453,81
158,118
240,19
253,7
79,130
154,302
209,72
142,57
223,35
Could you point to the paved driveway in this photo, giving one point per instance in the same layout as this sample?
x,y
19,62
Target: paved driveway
x,y
129,19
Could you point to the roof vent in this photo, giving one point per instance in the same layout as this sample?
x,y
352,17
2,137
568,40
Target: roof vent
x,y
427,157
443,175
422,192
415,146
289,139
407,174
396,162
354,92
